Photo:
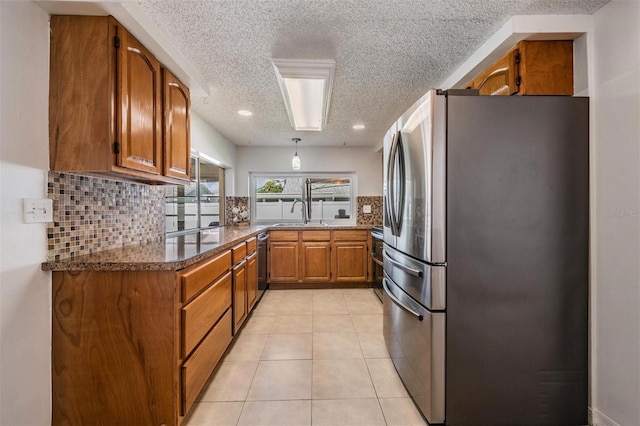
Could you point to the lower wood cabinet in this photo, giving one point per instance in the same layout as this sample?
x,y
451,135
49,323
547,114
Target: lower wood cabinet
x,y
315,256
351,261
196,370
252,280
245,281
115,345
351,255
319,256
204,311
283,261
316,261
137,347
239,295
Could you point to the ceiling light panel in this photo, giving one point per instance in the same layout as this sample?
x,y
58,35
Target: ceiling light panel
x,y
306,90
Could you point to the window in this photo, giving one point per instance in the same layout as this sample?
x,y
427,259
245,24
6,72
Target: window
x,y
200,204
274,194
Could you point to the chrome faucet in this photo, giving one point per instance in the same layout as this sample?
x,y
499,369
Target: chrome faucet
x,y
305,219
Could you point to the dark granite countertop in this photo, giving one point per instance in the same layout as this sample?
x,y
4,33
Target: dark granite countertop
x,y
174,252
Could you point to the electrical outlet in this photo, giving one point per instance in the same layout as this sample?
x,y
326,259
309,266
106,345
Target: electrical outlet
x,y
366,209
38,210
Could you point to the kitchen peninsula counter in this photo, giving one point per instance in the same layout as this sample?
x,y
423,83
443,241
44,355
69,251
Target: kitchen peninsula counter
x,y
175,252
137,331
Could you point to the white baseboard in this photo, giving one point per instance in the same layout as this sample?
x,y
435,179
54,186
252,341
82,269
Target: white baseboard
x,y
596,418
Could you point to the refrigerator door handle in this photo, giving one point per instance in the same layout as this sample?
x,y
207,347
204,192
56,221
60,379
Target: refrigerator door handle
x,y
391,199
403,183
396,301
408,270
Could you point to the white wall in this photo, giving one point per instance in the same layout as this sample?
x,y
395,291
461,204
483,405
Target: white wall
x,y
615,100
25,291
366,162
206,139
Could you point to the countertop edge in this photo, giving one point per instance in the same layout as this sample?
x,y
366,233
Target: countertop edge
x,y
81,263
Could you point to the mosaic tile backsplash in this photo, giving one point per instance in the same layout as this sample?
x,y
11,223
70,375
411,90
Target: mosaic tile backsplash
x,y
237,210
242,203
373,218
92,214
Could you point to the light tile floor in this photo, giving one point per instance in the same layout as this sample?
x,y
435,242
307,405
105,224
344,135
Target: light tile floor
x,y
308,357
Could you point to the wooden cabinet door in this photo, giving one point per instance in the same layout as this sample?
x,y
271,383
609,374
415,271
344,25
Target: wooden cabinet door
x,y
252,280
283,262
239,295
499,78
531,68
316,261
546,67
350,260
177,139
140,107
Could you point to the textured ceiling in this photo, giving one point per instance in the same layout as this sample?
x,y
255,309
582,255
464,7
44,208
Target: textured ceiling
x,y
388,53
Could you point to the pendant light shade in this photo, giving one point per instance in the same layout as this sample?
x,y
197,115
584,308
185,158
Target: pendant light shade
x,y
295,161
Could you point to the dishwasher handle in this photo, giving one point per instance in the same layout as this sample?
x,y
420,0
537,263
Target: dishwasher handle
x,y
263,237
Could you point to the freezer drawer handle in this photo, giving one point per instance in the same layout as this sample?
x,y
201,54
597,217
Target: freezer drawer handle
x,y
397,301
408,270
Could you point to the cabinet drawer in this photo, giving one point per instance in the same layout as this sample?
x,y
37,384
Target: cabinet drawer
x,y
283,235
316,235
197,369
251,245
239,252
199,316
198,276
351,235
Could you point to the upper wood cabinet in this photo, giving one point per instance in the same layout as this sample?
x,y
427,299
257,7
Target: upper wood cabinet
x,y
530,68
139,115
499,78
177,133
106,106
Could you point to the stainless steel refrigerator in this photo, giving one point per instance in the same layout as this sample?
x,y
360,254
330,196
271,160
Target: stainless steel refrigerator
x,y
486,232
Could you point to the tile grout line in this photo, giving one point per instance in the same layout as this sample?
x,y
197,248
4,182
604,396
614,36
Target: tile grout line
x,y
274,306
377,395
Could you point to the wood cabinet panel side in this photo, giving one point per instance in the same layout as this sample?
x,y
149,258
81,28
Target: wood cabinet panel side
x,y
114,348
546,67
81,90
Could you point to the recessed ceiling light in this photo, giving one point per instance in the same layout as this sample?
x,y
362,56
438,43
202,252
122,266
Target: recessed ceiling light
x,y
358,126
245,112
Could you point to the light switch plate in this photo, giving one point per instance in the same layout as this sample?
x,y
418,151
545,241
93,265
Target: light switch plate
x,y
366,209
37,210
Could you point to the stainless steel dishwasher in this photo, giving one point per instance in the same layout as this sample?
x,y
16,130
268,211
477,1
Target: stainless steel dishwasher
x,y
263,241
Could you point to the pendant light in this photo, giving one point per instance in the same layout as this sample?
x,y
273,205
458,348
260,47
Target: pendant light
x,y
295,161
